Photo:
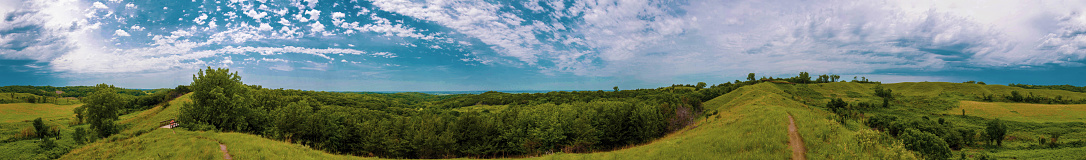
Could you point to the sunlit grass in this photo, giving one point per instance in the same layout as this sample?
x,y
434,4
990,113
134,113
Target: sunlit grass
x,y
1024,112
15,112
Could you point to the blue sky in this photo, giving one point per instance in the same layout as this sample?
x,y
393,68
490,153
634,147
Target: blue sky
x,y
407,45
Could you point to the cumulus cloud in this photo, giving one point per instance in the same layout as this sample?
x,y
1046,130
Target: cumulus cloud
x,y
121,33
663,39
658,40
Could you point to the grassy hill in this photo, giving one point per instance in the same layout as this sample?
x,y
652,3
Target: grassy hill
x,y
748,123
144,140
752,124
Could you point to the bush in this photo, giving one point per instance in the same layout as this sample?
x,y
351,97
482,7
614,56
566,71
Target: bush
x,y
929,145
39,127
79,135
996,131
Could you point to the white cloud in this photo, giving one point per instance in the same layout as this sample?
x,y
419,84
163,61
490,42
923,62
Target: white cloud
x,y
255,14
137,28
282,67
316,27
477,19
99,5
121,33
265,27
274,60
200,20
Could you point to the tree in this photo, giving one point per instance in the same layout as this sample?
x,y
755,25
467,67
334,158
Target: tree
x,y
79,113
219,99
78,135
804,77
616,88
701,85
929,145
102,106
39,128
996,130
750,77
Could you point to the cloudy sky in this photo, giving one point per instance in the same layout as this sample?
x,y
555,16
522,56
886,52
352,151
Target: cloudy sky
x,y
410,45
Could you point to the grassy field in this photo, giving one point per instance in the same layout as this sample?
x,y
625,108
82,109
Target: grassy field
x,y
752,124
17,117
1023,111
15,112
933,89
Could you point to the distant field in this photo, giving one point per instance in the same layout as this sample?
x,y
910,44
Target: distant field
x,y
14,112
1023,111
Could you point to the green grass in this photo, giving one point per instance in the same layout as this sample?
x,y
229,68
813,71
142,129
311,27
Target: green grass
x,y
17,117
15,112
142,139
934,89
752,124
1023,112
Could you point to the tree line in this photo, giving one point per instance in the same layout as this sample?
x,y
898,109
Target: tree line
x,y
415,125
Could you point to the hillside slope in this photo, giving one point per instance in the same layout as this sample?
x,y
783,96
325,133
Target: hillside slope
x,y
751,123
144,140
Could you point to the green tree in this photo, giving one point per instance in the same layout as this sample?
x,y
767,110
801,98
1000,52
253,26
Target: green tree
x,y
79,112
102,106
996,130
929,145
804,77
220,99
616,88
79,135
701,85
750,77
39,128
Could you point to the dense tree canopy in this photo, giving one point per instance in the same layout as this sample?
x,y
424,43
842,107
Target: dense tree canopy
x,y
102,108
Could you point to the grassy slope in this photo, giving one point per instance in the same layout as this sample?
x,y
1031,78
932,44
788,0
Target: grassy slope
x,y
960,94
752,124
143,140
936,88
1023,112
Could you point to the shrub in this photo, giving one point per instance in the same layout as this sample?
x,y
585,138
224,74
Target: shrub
x,y
78,135
929,145
996,130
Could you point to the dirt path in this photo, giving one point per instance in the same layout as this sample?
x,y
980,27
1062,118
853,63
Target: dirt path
x,y
225,154
799,151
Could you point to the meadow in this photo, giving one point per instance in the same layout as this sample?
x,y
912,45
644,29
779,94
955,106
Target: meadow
x,y
1023,112
743,120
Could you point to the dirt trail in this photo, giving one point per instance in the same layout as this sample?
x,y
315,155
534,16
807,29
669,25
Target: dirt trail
x,y
799,151
225,154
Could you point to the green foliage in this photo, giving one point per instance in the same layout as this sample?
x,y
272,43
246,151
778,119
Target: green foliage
x,y
883,92
102,109
996,130
750,77
39,128
221,100
1052,87
929,145
79,135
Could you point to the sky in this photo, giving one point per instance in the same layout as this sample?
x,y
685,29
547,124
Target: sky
x,y
454,45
